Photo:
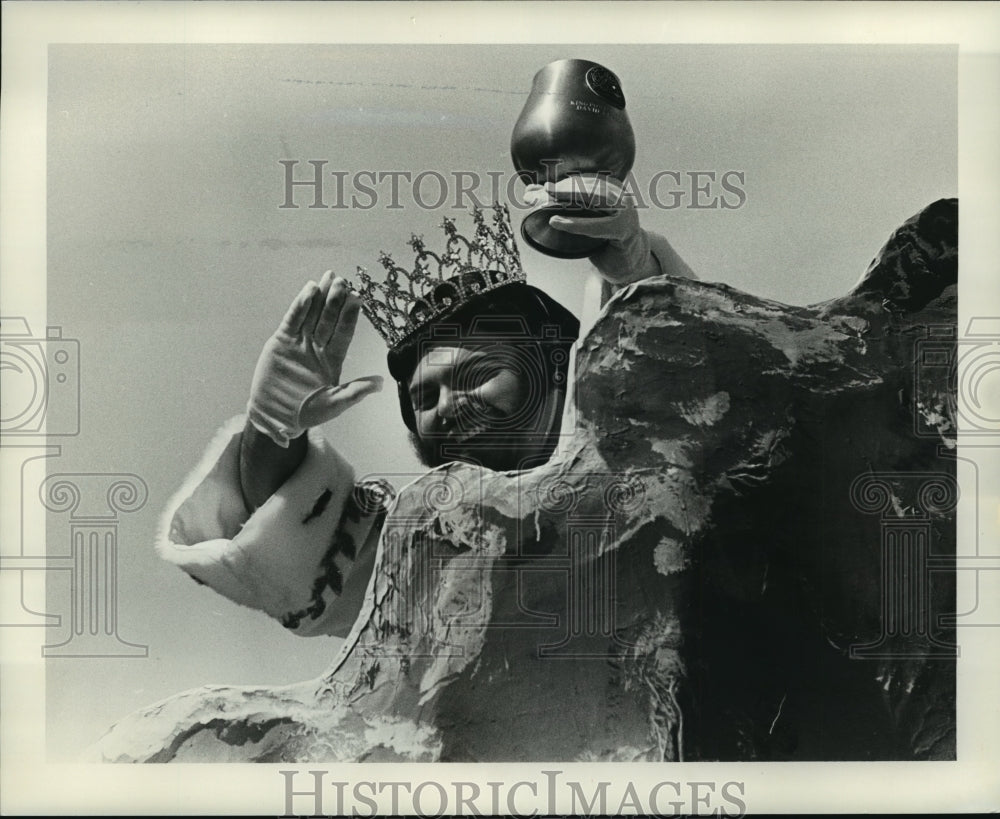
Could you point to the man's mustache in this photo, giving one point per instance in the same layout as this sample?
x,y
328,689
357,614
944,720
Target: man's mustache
x,y
469,422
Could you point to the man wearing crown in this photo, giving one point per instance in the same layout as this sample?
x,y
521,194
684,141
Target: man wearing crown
x,y
273,518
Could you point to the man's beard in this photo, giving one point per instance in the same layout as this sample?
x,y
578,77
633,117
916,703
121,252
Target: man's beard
x,y
479,437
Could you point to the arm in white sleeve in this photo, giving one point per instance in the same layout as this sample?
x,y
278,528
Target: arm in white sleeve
x,y
304,557
597,289
670,262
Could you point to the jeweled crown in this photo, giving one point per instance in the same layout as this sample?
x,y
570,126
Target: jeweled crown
x,y
440,283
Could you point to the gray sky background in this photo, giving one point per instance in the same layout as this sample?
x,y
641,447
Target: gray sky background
x,y
170,259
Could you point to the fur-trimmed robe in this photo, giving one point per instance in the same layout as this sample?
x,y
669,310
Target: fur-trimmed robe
x,y
305,557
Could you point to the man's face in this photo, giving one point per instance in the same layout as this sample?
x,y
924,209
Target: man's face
x,y
489,404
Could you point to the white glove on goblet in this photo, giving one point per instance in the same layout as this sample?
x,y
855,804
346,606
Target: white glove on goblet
x,y
626,257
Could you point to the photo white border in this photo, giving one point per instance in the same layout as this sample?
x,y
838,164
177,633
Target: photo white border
x,y
30,785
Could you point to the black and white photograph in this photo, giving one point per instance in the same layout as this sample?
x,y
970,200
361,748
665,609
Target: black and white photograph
x,y
426,410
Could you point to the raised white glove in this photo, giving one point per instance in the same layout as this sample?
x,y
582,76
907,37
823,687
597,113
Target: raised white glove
x,y
626,257
296,384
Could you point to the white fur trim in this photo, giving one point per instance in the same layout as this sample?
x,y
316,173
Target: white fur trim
x,y
271,560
